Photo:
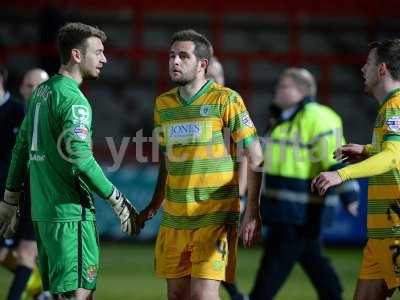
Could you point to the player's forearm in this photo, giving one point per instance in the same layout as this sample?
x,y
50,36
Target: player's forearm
x,y
81,156
159,193
93,175
253,189
17,171
19,161
243,176
254,174
380,163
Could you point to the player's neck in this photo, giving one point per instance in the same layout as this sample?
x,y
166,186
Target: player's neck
x,y
387,86
71,72
2,93
189,90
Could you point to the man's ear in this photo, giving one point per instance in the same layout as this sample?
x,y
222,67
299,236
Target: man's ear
x,y
382,69
76,55
204,64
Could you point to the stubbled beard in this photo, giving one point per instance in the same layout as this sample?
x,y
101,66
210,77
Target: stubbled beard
x,y
181,82
88,76
186,78
369,86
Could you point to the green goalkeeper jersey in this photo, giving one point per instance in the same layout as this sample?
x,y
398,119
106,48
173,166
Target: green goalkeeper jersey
x,y
55,138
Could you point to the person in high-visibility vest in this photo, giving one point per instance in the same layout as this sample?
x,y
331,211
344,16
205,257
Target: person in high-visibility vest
x,y
301,136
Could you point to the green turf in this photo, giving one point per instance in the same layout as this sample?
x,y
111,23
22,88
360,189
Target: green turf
x,y
127,273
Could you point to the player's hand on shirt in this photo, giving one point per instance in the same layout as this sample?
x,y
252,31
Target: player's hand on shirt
x,y
350,153
125,211
250,229
8,213
324,181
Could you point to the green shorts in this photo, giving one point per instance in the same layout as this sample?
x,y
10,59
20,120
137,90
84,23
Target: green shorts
x,y
68,255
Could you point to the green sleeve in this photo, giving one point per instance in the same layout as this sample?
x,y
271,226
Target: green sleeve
x,y
19,160
76,118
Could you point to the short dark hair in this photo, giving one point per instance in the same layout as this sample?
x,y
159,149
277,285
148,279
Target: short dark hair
x,y
388,52
74,35
3,75
202,46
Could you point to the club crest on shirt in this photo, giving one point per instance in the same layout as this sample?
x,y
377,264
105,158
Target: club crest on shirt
x,y
205,110
217,265
394,123
91,273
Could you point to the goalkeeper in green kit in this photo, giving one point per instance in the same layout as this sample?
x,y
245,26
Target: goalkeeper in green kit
x,y
55,142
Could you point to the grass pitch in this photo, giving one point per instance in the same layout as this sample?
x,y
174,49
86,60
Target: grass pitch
x,y
127,273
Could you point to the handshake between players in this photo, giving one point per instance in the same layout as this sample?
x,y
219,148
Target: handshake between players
x,y
131,221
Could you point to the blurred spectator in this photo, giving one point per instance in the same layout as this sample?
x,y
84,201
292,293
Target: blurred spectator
x,y
23,261
215,71
11,115
31,80
301,136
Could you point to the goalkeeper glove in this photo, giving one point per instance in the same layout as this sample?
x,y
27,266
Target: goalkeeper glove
x,y
8,213
125,211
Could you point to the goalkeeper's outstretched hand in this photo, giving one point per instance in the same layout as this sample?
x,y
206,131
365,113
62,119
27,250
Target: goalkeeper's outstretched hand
x,y
8,213
125,211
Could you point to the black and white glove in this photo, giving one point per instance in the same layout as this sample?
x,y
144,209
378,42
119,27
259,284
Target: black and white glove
x,y
125,211
8,213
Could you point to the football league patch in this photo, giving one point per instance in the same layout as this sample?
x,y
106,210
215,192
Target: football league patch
x,y
247,121
81,132
394,123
